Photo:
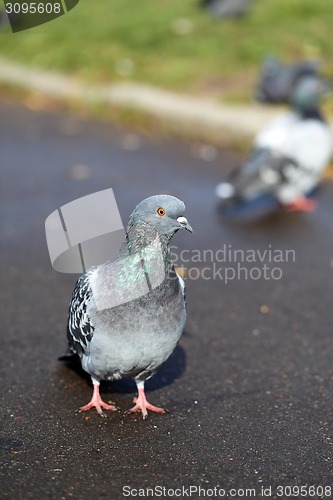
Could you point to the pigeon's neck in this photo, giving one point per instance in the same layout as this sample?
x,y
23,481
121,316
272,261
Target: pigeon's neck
x,y
144,239
153,250
142,235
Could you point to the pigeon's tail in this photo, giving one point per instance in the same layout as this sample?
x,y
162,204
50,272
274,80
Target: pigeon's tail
x,y
69,355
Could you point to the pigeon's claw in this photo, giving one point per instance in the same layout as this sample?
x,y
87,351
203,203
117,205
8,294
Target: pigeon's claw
x,y
141,404
98,403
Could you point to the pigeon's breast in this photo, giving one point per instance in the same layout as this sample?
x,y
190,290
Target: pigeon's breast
x,y
139,334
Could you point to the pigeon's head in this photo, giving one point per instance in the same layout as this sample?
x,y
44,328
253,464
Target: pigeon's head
x,y
162,212
308,93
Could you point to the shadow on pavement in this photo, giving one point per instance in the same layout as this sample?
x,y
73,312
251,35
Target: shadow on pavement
x,y
170,371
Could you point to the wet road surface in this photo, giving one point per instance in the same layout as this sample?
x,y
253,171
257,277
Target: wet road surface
x,y
250,386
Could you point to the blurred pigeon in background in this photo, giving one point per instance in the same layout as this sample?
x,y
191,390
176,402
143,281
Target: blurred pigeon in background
x,y
127,315
4,20
278,80
226,8
289,154
9,19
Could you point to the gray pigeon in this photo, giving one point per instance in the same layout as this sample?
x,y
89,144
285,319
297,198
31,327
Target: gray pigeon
x,y
127,315
278,81
4,20
289,156
226,8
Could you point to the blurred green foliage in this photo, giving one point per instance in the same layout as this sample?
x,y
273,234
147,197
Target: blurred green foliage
x,y
175,44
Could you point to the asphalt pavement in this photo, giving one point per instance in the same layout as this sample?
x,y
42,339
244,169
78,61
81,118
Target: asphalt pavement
x,y
250,386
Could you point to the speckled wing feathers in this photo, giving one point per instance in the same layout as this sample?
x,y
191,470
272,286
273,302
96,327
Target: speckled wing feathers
x,y
80,329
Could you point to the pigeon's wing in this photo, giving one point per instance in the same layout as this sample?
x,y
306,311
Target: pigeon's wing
x,y
80,328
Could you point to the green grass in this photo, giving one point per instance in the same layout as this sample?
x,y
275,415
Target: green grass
x,y
123,40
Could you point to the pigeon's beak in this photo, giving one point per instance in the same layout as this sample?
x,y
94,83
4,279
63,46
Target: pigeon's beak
x,y
184,224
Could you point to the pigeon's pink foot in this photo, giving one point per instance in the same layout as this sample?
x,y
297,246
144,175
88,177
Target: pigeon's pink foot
x,y
302,205
98,403
141,404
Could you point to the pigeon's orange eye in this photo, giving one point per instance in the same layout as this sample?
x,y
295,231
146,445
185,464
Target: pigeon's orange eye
x,y
161,211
